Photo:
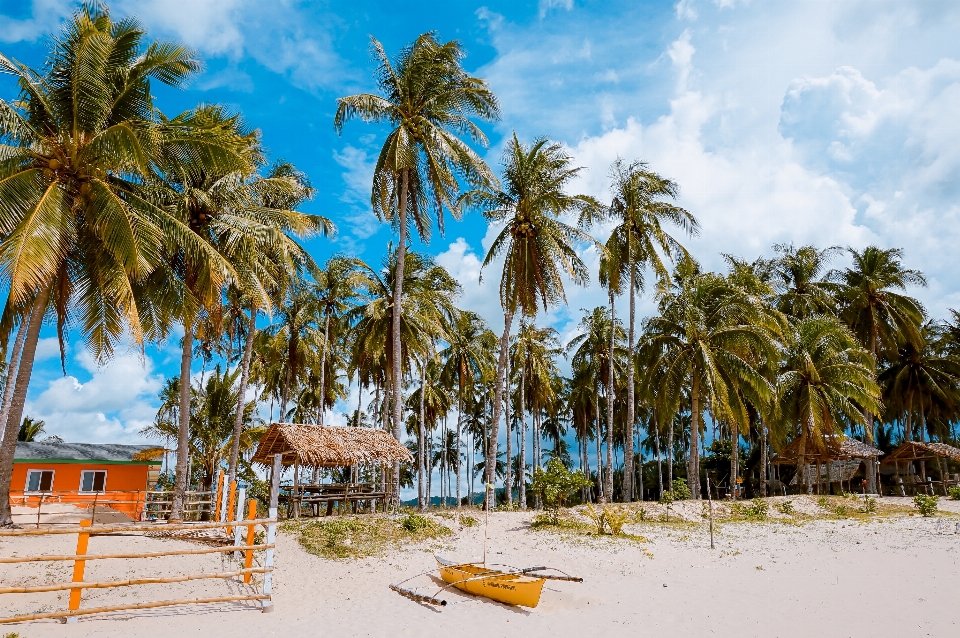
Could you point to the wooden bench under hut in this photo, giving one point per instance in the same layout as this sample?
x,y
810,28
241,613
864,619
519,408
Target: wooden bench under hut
x,y
900,464
836,461
315,446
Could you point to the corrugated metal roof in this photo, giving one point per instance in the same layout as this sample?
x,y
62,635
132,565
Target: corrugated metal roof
x,y
49,450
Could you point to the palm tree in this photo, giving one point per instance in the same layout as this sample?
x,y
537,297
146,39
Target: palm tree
x,y
77,223
428,99
801,281
211,416
336,291
706,337
872,304
826,380
642,209
468,359
599,348
920,376
538,247
30,429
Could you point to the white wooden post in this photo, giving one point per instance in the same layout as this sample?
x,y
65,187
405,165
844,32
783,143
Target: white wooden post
x,y
237,530
267,604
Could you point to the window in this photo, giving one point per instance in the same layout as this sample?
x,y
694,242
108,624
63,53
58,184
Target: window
x,y
39,480
93,480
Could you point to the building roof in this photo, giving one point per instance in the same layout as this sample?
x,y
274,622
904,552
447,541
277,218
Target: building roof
x,y
917,450
831,448
104,452
328,446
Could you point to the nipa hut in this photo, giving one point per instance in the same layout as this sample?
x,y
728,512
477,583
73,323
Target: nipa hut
x,y
328,446
900,463
837,461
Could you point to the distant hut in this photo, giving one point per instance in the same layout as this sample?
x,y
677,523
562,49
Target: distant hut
x,y
836,462
900,464
328,446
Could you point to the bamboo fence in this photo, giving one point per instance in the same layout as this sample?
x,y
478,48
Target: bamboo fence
x,y
80,558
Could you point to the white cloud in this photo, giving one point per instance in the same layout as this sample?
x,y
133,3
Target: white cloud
x,y
361,221
685,10
113,405
43,13
546,5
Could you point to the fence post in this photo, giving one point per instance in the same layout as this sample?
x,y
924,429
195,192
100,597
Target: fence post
x,y
78,568
271,533
251,535
216,501
241,497
230,501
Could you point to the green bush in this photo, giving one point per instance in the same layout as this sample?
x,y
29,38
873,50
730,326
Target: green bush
x,y
555,484
757,510
926,505
467,521
415,523
785,507
681,490
954,493
869,505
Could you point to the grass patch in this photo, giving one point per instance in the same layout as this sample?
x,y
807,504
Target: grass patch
x,y
363,536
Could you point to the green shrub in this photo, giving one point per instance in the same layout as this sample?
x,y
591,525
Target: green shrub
x,y
757,510
640,516
415,523
785,507
823,502
555,484
681,491
926,505
607,518
840,510
467,521
869,505
954,493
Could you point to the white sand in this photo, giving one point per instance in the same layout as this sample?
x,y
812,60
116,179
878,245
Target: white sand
x,y
826,578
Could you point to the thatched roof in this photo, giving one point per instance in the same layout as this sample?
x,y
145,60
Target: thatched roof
x,y
914,450
328,446
835,448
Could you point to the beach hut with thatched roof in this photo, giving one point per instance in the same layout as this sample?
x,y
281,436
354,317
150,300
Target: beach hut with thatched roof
x,y
319,446
908,452
837,460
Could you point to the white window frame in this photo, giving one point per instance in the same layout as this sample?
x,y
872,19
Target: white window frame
x,y
83,472
26,485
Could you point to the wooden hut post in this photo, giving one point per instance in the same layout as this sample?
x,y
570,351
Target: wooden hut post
x,y
78,568
271,533
296,486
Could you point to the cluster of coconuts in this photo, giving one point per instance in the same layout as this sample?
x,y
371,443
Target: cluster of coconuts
x,y
523,229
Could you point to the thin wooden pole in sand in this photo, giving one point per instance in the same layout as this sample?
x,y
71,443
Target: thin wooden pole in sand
x,y
78,569
267,604
710,501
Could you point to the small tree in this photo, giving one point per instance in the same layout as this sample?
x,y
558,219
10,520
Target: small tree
x,y
555,484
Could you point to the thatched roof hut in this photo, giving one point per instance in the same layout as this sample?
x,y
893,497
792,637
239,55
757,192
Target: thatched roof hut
x,y
835,448
921,451
328,446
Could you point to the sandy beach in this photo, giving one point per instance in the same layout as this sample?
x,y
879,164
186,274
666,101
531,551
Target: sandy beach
x,y
890,576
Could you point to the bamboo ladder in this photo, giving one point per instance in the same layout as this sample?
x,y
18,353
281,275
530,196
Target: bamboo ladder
x,y
80,558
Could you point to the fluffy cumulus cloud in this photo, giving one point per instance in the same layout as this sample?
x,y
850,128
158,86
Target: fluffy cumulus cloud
x,y
112,405
29,21
782,122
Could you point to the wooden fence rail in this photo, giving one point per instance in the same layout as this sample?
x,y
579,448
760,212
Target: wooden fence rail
x,y
84,531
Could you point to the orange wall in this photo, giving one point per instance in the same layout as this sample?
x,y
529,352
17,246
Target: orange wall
x,y
66,478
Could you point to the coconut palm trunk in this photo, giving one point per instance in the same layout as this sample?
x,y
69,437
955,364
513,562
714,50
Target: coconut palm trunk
x,y
323,367
868,418
693,466
181,480
671,457
397,349
608,476
242,399
734,459
763,457
11,383
491,460
522,469
508,476
421,440
12,426
628,471
459,430
596,411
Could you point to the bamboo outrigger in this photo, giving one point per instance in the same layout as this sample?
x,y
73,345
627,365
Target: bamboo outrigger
x,y
511,586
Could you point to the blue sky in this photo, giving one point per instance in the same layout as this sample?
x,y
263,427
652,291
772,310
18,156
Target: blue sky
x,y
825,122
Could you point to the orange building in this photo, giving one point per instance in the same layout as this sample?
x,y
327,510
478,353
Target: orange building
x,y
117,476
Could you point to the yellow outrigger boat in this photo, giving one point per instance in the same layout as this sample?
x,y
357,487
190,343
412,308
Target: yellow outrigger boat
x,y
511,589
510,586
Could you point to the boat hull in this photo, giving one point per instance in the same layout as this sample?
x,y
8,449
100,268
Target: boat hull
x,y
511,589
